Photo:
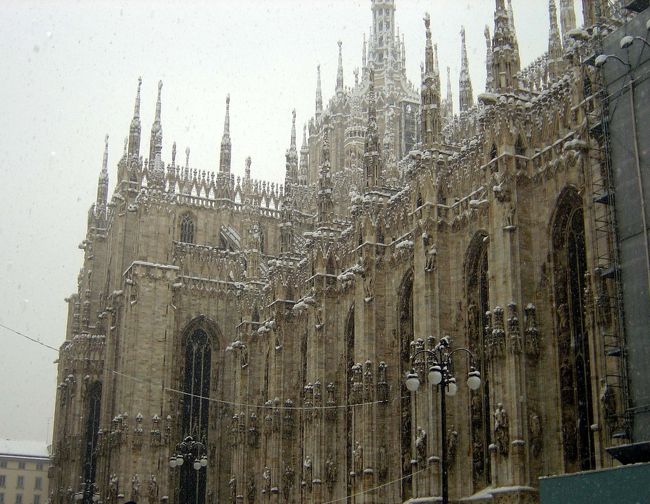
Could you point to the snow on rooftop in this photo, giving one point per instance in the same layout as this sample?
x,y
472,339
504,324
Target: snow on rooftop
x,y
24,448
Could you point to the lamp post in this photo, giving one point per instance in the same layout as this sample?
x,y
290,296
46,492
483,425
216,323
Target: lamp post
x,y
193,453
440,374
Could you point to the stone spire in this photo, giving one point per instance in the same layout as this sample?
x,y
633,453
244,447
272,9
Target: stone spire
x,y
135,130
448,103
430,93
489,77
325,202
304,158
567,17
155,141
371,154
505,50
465,95
174,153
226,146
364,61
383,32
319,94
291,173
339,71
554,41
102,185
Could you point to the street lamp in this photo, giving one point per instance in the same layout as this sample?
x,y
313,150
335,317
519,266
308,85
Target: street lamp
x,y
441,374
192,452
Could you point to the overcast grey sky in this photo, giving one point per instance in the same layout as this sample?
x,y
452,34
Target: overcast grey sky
x,y
69,77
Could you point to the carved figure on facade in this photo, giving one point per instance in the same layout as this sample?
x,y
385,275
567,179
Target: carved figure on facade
x,y
382,463
288,478
138,432
478,456
251,490
501,433
357,455
277,415
234,430
307,473
531,332
288,423
232,484
113,485
513,329
253,432
382,382
535,430
331,410
266,476
608,401
421,445
368,381
497,342
452,446
135,488
152,489
357,383
431,255
331,472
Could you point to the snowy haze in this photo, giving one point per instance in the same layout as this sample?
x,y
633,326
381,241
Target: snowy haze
x,y
70,73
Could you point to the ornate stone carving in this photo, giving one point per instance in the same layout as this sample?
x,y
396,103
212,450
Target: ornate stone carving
x,y
496,343
382,383
368,382
501,433
288,423
531,332
452,446
382,463
251,490
535,431
234,430
266,476
608,401
253,432
288,478
152,490
155,436
138,432
331,410
331,472
307,473
357,456
232,484
357,383
135,488
421,445
513,329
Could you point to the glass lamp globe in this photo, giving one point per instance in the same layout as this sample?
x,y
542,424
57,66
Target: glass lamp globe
x,y
204,461
96,498
179,460
474,379
197,465
435,375
172,461
412,381
451,387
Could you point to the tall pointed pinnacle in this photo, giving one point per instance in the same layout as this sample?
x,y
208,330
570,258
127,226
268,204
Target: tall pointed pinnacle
x,y
319,94
304,158
102,184
364,61
371,154
505,50
226,147
466,96
135,130
567,17
489,77
430,112
511,21
291,173
554,42
449,101
324,198
155,141
339,71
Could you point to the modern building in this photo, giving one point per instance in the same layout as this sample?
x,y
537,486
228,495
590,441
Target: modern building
x,y
236,340
23,472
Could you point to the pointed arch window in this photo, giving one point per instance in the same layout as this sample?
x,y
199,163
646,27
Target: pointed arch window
x,y
187,229
574,368
478,292
196,388
92,429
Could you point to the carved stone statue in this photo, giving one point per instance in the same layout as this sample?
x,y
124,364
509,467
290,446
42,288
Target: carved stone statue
x,y
535,430
608,400
251,490
430,258
288,479
307,472
501,434
452,445
358,458
421,445
135,488
152,491
267,480
233,489
331,472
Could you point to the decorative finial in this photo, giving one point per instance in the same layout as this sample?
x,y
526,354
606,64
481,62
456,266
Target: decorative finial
x,y
319,93
136,109
105,159
174,154
187,157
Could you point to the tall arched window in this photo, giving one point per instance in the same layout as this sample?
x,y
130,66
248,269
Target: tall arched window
x,y
569,268
90,439
477,292
187,229
405,338
196,386
349,350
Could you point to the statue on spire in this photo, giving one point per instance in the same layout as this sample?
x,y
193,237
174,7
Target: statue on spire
x,y
339,71
226,147
466,97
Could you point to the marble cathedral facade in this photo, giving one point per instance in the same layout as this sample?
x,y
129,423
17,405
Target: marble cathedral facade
x,y
275,323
